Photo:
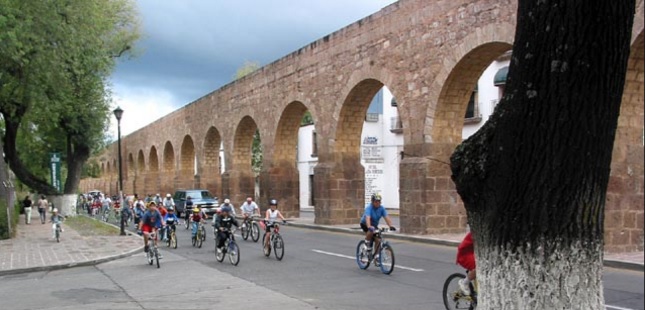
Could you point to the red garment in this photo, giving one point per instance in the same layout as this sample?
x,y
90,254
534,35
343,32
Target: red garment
x,y
163,211
197,217
466,253
146,228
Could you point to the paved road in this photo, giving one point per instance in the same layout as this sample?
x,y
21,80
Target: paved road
x,y
317,271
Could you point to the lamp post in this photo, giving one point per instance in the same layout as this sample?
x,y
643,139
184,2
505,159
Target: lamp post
x,y
118,113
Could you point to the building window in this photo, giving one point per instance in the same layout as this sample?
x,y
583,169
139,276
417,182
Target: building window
x,y
472,111
393,103
314,144
371,117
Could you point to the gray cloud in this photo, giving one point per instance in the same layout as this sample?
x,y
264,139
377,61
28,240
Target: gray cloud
x,y
193,47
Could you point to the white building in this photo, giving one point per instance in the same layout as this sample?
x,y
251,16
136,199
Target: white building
x,y
382,137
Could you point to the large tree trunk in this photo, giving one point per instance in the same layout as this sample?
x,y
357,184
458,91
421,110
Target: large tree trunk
x,y
16,165
77,155
534,178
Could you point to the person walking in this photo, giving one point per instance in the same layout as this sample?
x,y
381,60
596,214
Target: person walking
x,y
26,205
43,204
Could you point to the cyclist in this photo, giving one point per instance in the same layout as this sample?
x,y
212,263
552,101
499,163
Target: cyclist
x,y
369,222
223,225
466,259
56,219
270,218
249,208
228,204
151,221
197,218
187,208
139,210
168,201
171,221
106,204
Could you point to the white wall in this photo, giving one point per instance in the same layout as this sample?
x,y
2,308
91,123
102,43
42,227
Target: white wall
x,y
488,95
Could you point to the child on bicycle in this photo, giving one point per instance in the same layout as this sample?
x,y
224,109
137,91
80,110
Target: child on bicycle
x,y
197,217
466,259
56,219
171,221
223,225
150,222
270,218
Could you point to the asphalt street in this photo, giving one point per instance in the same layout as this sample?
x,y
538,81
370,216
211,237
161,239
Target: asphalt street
x,y
318,271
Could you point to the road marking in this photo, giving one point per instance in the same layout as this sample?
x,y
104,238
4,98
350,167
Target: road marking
x,y
616,307
352,257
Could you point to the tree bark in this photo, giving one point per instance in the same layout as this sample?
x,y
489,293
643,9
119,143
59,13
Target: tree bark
x,y
77,155
534,178
11,155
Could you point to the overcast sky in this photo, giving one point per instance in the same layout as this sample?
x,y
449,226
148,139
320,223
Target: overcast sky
x,y
192,47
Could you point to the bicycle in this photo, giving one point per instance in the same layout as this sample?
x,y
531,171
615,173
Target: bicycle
x,y
254,230
153,252
385,258
200,236
187,221
230,248
106,215
275,239
454,298
172,236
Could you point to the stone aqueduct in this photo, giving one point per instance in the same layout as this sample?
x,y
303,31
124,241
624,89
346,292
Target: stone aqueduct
x,y
430,55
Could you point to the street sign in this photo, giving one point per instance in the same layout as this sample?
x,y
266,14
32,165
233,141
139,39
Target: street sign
x,y
55,170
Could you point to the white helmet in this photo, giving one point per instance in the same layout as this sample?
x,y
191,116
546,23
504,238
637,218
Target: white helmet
x,y
227,201
55,210
168,195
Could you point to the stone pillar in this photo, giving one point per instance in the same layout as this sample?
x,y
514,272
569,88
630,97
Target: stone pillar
x,y
152,184
428,199
340,194
237,185
66,204
281,183
212,182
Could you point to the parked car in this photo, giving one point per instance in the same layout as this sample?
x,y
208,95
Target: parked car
x,y
200,197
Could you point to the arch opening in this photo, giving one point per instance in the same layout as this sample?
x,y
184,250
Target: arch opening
x,y
212,163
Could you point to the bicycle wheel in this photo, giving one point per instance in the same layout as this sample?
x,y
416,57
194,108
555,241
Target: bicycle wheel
x,y
157,257
187,223
173,240
265,247
57,234
149,256
168,239
386,259
194,240
245,232
233,253
278,247
203,233
362,255
219,256
453,298
255,232
200,239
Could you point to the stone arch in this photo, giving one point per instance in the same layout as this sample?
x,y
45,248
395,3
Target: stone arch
x,y
153,160
286,136
187,163
210,173
131,166
109,169
350,123
141,162
103,171
624,205
242,143
458,86
239,177
458,75
168,157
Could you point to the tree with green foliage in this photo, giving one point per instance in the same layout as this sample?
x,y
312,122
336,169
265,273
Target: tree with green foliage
x,y
54,91
247,68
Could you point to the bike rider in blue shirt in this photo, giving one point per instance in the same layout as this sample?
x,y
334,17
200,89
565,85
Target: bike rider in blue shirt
x,y
369,222
171,221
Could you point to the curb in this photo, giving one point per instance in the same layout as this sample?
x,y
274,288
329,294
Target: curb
x,y
618,264
92,262
71,265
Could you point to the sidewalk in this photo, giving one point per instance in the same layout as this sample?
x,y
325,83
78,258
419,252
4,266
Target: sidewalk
x,y
34,249
631,261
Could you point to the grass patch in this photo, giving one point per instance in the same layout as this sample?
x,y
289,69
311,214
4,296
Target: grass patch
x,y
86,226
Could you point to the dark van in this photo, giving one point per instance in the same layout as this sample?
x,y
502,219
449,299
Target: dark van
x,y
200,197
